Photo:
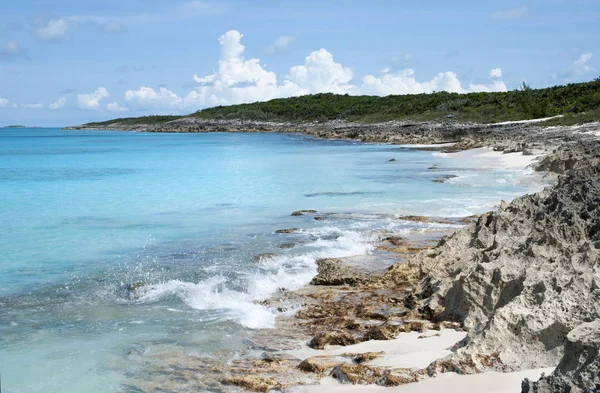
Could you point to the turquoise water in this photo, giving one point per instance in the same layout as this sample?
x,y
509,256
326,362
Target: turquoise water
x,y
85,213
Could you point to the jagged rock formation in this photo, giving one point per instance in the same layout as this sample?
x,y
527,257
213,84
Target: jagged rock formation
x,y
579,369
525,280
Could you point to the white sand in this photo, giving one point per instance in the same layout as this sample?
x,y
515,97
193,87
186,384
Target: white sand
x,y
486,157
409,351
406,351
528,121
444,383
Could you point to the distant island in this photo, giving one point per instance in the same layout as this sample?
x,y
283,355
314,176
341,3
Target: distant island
x,y
566,105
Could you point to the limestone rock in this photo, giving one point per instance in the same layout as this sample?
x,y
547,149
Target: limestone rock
x,y
521,278
579,369
254,383
332,338
333,271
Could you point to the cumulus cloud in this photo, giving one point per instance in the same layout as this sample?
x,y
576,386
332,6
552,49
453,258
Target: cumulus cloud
x,y
92,100
4,102
514,13
58,104
496,73
239,80
405,82
12,51
52,30
115,107
148,98
320,73
281,44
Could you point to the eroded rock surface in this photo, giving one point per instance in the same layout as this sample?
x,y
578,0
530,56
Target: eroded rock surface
x,y
579,369
522,278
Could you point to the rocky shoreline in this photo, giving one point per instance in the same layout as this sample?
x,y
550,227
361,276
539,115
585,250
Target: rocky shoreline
x,y
522,282
507,137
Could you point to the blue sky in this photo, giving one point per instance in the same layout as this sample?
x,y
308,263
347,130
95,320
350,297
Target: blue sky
x,y
66,62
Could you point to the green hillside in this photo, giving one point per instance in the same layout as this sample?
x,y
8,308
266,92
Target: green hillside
x,y
578,102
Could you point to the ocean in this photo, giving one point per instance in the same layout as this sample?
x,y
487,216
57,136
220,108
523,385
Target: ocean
x,y
86,214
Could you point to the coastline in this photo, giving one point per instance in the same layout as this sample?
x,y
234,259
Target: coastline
x,y
555,149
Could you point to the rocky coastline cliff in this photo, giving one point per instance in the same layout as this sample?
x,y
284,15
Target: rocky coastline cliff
x,y
524,281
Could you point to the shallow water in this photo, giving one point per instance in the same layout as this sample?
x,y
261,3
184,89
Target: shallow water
x,y
84,213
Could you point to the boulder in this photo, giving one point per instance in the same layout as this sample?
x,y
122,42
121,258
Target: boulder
x,y
333,271
579,369
520,279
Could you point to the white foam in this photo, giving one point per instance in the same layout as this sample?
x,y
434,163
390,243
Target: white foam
x,y
286,271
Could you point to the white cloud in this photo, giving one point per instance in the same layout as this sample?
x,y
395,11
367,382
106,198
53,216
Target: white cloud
x,y
240,80
33,106
12,51
405,82
496,73
115,107
514,13
577,70
320,73
92,100
580,66
495,83
281,44
147,98
3,102
52,30
58,104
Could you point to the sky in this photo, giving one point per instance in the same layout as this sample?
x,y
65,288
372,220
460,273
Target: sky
x,y
67,62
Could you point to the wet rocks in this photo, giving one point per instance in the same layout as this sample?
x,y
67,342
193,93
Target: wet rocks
x,y
265,256
303,212
133,291
333,271
332,338
415,218
444,178
318,364
288,230
287,245
356,374
254,383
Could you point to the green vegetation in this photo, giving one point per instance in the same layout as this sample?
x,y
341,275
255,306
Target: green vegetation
x,y
149,120
578,102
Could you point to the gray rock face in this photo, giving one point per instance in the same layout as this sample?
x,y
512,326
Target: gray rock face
x,y
579,369
522,278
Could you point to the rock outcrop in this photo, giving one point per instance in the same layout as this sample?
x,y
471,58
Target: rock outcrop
x,y
579,369
523,279
333,271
